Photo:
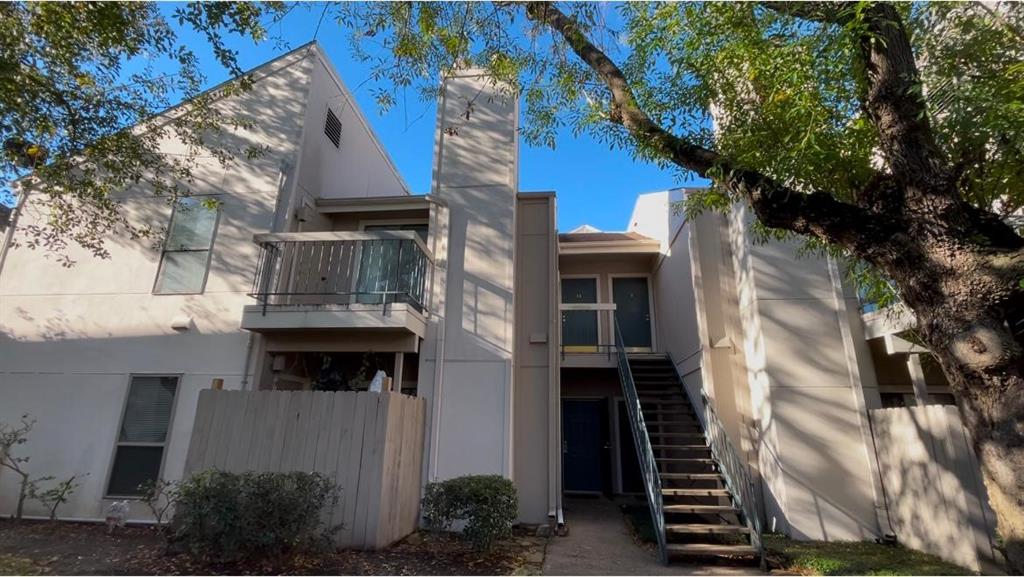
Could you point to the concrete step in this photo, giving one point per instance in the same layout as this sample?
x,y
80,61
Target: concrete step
x,y
710,549
705,528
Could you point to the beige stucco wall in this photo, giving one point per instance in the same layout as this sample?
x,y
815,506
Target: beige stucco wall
x,y
466,362
535,373
805,390
359,167
71,337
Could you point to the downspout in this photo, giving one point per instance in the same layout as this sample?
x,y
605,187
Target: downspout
x,y
554,379
248,359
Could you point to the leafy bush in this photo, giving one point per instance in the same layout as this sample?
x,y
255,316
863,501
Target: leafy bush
x,y
227,516
160,497
487,503
55,496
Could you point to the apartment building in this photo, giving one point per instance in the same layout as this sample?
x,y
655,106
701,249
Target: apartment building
x,y
729,384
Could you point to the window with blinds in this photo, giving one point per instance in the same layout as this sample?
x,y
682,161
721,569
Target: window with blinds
x,y
142,437
186,254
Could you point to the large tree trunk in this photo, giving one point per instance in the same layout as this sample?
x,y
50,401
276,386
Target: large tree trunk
x,y
970,330
959,268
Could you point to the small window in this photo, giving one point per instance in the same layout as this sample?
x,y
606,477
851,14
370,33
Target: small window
x,y
142,438
332,128
186,255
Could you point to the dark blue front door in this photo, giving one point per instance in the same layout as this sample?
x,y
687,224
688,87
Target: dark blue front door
x,y
583,442
633,311
579,328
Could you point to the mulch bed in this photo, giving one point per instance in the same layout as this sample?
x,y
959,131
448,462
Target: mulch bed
x,y
86,549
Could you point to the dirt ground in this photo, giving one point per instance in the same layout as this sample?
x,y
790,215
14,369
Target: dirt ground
x,y
42,547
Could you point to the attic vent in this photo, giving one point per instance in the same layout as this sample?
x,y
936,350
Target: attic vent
x,y
332,128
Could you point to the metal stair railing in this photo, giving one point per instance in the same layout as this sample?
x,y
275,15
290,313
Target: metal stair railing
x,y
732,467
644,451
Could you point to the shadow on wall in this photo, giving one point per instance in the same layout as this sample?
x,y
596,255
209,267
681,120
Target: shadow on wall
x,y
486,308
817,477
933,481
249,185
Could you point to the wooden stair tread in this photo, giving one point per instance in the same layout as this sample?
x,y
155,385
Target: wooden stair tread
x,y
709,549
695,492
683,460
705,528
700,509
682,447
679,422
691,476
673,434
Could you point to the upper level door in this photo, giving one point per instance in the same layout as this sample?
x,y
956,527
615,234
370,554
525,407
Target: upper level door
x,y
633,311
579,328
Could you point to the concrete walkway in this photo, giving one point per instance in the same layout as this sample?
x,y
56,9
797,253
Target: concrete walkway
x,y
599,543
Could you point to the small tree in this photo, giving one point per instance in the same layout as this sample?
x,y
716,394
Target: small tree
x,y
160,497
55,496
11,436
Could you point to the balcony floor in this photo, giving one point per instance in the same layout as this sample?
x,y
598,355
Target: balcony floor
x,y
276,318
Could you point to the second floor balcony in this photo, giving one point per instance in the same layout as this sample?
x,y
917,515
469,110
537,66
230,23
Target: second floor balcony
x,y
340,280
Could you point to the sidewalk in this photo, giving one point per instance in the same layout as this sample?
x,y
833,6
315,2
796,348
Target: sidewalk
x,y
599,543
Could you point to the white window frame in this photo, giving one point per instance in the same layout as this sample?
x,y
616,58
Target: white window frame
x,y
209,250
120,424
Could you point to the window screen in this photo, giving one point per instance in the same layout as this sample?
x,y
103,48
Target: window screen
x,y
143,434
186,252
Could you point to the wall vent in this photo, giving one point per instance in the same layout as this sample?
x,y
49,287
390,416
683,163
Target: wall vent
x,y
332,128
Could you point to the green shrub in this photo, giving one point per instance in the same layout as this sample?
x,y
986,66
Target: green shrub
x,y
227,516
487,503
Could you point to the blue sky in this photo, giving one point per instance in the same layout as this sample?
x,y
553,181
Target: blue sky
x,y
595,185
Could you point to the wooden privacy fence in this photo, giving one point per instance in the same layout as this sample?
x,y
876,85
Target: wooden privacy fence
x,y
371,444
937,500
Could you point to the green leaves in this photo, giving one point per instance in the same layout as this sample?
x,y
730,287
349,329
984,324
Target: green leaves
x,y
79,82
487,503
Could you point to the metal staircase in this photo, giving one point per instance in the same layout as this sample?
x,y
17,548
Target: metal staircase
x,y
701,499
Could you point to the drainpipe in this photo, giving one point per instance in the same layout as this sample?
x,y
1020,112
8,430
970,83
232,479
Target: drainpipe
x,y
248,359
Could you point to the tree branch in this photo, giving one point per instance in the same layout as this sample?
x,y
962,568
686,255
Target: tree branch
x,y
819,214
